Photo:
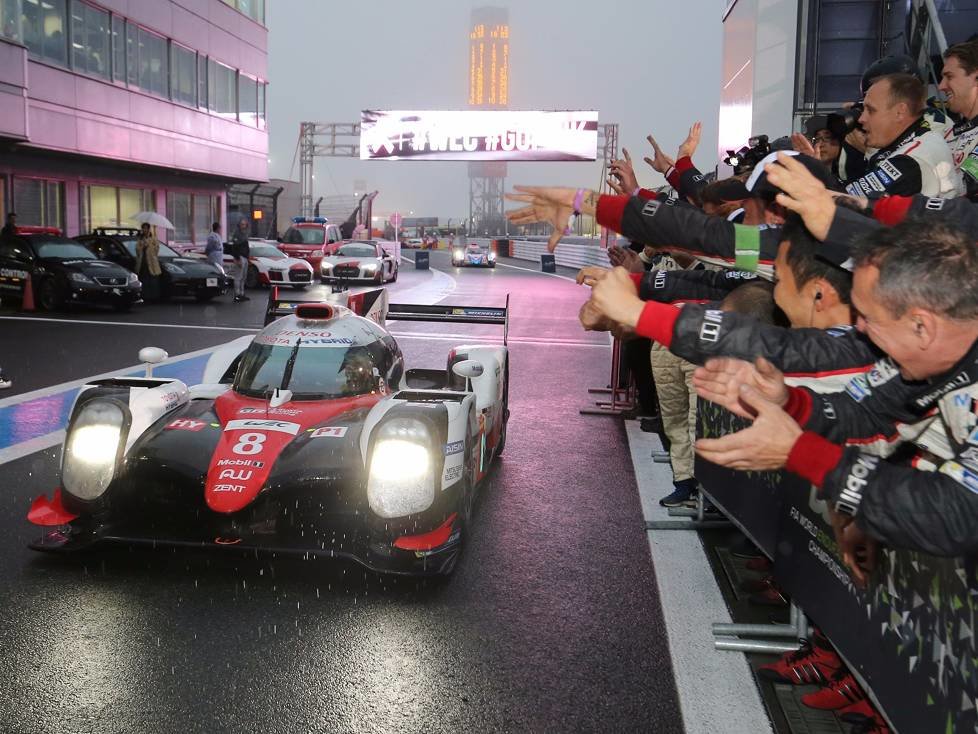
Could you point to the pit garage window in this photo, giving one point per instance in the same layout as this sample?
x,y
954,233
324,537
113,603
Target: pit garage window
x,y
111,206
207,210
39,202
90,43
178,211
45,29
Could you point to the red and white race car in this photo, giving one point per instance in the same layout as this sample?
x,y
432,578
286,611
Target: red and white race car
x,y
359,260
270,266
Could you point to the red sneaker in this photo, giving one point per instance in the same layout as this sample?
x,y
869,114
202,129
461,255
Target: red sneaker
x,y
810,664
840,692
863,718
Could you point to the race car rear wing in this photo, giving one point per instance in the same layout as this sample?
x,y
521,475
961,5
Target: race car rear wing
x,y
372,303
452,314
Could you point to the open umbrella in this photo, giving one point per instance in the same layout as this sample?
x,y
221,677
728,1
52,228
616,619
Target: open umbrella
x,y
157,220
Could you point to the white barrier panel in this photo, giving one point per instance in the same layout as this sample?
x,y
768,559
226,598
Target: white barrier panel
x,y
567,254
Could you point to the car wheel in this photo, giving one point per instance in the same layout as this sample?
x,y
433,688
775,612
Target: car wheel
x,y
251,279
50,295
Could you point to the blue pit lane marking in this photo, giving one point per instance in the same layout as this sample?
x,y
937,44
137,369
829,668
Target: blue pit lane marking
x,y
37,417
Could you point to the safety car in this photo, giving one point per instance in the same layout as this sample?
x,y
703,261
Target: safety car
x,y
268,265
359,260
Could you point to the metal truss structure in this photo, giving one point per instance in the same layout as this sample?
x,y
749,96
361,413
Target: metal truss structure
x,y
323,140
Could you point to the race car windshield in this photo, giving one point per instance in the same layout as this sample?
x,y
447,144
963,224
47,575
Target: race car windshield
x,y
356,251
266,251
62,249
165,251
305,236
317,372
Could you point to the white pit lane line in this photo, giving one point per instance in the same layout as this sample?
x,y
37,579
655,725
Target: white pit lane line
x,y
716,689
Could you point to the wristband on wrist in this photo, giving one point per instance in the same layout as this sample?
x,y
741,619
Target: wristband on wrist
x,y
635,191
579,200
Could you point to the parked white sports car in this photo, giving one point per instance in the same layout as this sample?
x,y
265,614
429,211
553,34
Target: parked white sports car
x,y
359,260
270,266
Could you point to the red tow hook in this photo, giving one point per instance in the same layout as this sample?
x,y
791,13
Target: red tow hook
x,y
427,541
49,512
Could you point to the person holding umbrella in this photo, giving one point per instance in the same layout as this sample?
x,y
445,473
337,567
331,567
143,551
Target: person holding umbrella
x,y
240,250
148,263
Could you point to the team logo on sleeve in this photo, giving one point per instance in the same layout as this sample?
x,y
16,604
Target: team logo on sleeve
x,y
650,208
892,171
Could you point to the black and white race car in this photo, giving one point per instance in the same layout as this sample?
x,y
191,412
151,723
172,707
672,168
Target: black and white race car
x,y
309,438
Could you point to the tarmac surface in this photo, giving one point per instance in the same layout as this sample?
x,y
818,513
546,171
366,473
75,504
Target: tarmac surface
x,y
551,622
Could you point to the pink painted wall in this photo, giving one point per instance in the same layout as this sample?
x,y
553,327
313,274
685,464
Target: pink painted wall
x,y
78,114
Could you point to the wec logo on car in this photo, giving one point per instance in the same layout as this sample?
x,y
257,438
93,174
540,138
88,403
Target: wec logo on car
x,y
249,424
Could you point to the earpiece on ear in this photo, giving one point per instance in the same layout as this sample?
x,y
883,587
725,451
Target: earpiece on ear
x,y
818,295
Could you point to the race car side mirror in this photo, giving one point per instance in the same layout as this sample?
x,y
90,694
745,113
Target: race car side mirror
x,y
468,368
151,356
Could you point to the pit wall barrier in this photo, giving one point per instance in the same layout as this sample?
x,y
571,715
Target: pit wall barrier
x,y
909,637
569,253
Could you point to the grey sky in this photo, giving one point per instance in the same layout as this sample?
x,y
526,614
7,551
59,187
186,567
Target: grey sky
x,y
650,65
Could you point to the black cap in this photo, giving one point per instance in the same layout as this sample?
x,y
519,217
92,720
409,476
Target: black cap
x,y
815,123
730,189
758,185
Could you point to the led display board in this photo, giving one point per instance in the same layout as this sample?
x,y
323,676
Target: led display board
x,y
479,135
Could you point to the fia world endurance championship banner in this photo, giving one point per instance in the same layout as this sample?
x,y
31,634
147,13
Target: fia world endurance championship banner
x,y
910,635
479,135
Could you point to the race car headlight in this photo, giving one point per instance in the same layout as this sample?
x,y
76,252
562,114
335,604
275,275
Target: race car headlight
x,y
92,449
174,269
492,255
458,254
401,477
80,278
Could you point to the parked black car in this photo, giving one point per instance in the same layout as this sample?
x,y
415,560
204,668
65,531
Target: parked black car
x,y
62,272
182,276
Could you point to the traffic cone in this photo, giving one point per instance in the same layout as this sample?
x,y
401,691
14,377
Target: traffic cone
x,y
28,303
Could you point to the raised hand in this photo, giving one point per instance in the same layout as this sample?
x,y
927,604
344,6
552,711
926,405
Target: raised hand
x,y
627,258
692,141
764,446
623,170
616,297
553,205
661,162
721,380
803,193
591,274
803,145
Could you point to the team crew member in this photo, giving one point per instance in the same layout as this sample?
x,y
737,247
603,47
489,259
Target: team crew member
x,y
240,250
911,158
915,293
959,83
821,350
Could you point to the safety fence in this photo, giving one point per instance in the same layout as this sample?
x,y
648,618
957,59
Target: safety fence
x,y
909,636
